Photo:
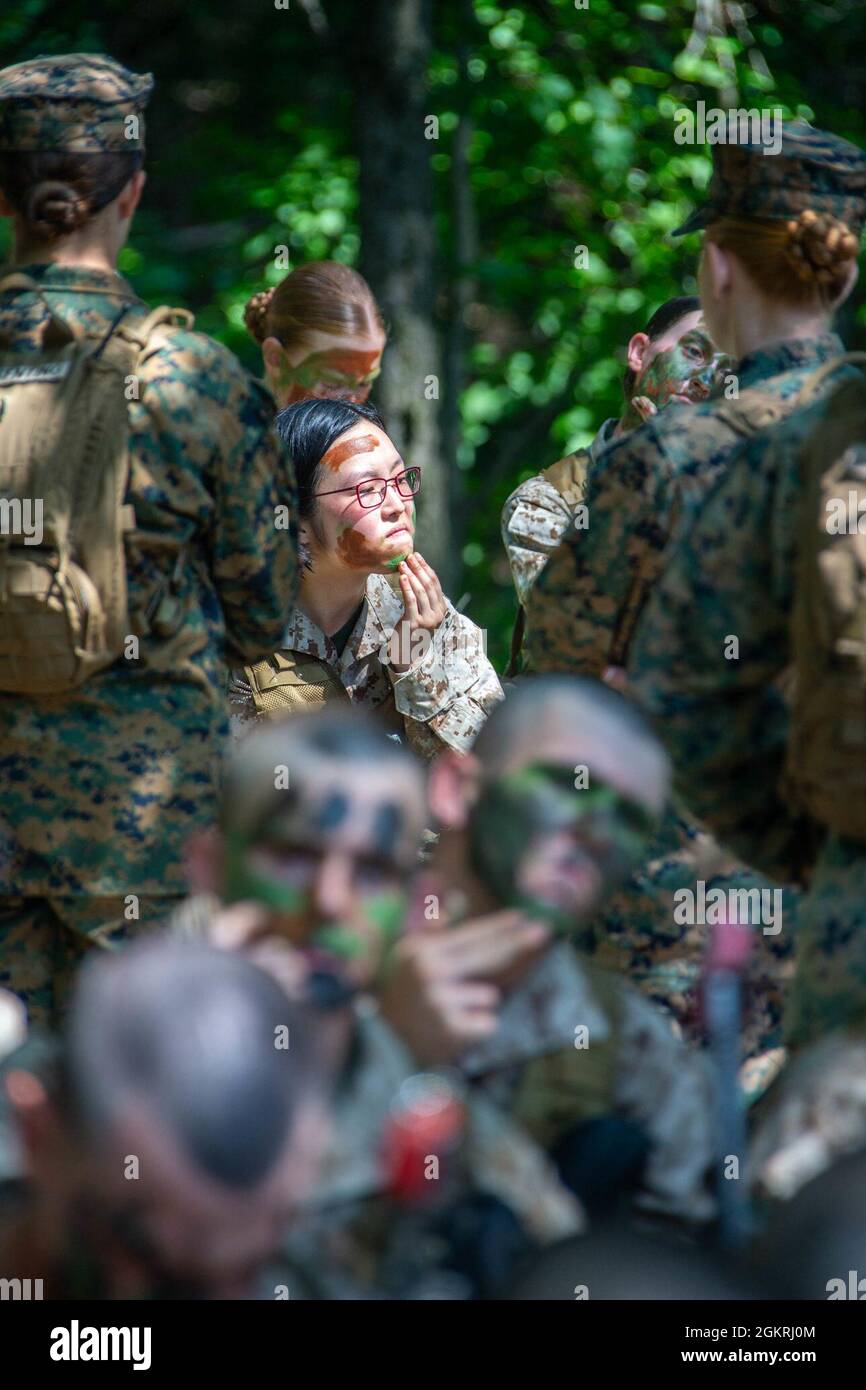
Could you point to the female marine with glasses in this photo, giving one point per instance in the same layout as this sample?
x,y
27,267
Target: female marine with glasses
x,y
371,625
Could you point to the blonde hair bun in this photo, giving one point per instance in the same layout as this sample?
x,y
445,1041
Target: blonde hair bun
x,y
820,247
256,314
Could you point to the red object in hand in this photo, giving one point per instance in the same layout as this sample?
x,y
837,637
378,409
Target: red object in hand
x,y
422,1135
730,947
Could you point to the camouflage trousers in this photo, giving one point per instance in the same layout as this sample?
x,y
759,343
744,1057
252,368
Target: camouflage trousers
x,y
829,987
44,940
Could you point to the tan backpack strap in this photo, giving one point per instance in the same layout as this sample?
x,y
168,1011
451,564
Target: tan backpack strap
x,y
59,331
145,335
759,410
568,476
810,386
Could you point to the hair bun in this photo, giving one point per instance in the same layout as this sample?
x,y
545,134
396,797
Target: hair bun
x,y
256,313
821,247
53,209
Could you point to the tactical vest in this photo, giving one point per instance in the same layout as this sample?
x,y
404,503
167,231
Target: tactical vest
x,y
568,475
64,522
825,772
289,682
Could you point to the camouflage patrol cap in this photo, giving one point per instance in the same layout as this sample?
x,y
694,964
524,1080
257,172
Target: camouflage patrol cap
x,y
81,102
812,169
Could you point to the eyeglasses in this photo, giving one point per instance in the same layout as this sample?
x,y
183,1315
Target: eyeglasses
x,y
373,491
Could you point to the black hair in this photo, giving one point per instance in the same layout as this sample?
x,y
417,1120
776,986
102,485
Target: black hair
x,y
309,428
193,1033
57,191
664,318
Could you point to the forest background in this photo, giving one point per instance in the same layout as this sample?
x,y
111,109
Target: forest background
x,y
504,175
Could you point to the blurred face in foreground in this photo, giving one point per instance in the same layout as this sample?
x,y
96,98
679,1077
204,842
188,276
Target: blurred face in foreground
x,y
565,821
332,865
165,1229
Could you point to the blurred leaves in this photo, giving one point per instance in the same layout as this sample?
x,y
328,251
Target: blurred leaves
x,y
571,114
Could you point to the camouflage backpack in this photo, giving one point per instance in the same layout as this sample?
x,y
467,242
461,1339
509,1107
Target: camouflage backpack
x,y
568,476
64,464
825,771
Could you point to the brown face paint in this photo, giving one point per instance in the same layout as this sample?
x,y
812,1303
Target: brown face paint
x,y
356,364
358,552
348,448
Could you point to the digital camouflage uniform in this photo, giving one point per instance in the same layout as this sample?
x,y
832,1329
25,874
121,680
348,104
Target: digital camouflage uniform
x,y
725,721
441,701
103,785
582,612
536,517
731,573
595,586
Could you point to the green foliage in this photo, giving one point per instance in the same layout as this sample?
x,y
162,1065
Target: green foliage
x,y
570,115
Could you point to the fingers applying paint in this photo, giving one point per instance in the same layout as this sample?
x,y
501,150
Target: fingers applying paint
x,y
422,593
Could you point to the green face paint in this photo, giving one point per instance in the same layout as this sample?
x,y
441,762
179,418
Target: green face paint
x,y
384,913
536,821
247,881
335,374
691,369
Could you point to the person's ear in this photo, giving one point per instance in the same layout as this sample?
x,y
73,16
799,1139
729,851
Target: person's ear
x,y
853,277
636,351
274,358
204,860
130,196
718,269
452,788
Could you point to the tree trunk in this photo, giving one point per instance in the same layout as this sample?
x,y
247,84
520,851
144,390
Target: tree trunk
x,y
398,244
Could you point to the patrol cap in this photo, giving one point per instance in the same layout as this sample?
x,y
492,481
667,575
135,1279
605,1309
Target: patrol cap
x,y
812,169
79,102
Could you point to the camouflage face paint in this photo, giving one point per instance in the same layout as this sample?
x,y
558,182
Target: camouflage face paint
x,y
359,552
518,814
338,368
689,368
387,828
347,448
331,812
248,881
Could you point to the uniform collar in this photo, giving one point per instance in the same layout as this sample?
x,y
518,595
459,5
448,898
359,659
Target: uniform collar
x,y
603,438
72,278
379,615
777,358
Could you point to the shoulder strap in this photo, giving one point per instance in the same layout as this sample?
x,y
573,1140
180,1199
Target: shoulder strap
x,y
747,415
568,475
518,632
59,331
810,386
